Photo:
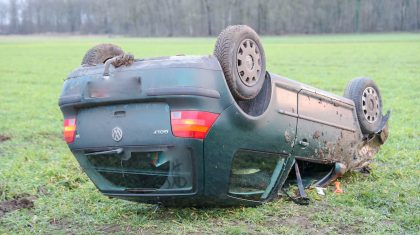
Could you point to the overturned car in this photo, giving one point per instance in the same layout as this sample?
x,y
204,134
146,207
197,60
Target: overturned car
x,y
212,130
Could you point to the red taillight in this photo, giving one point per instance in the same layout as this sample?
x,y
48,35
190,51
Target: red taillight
x,y
192,124
69,129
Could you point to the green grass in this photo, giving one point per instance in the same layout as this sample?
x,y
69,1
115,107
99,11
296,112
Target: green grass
x,y
36,160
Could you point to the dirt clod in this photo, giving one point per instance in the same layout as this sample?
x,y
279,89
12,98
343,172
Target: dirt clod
x,y
124,59
4,138
17,203
316,135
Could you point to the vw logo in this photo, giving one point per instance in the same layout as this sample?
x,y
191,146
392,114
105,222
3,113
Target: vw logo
x,y
117,134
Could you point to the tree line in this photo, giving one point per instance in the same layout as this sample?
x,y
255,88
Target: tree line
x,y
207,17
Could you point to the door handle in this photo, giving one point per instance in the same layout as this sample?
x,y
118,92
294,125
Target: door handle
x,y
304,143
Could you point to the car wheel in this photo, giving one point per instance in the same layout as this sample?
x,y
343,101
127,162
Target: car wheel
x,y
100,54
367,99
241,56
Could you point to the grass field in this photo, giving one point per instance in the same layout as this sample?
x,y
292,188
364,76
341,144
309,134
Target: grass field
x,y
35,162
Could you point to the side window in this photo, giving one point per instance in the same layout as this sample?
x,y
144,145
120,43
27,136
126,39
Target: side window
x,y
254,174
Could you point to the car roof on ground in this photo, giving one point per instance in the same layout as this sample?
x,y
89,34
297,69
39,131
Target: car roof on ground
x,y
208,62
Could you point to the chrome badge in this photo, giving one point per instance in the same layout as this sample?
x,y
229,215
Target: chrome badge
x,y
117,134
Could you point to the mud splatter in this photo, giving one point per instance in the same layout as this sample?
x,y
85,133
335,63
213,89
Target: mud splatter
x,y
287,137
316,135
321,153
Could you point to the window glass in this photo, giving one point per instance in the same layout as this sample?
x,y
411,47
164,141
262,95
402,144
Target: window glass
x,y
171,170
254,173
145,171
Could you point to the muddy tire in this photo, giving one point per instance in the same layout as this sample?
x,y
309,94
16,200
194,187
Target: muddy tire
x,y
100,54
367,99
241,55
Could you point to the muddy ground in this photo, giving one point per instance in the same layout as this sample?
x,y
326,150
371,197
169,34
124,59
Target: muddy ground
x,y
19,202
4,138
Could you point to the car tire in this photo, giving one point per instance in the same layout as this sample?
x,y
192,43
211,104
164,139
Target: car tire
x,y
100,54
367,99
241,56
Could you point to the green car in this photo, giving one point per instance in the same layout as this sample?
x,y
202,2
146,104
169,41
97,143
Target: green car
x,y
213,130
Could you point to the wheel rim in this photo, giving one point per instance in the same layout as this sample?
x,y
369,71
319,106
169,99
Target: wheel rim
x,y
249,62
370,104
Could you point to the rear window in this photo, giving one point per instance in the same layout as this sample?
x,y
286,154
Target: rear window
x,y
158,170
143,172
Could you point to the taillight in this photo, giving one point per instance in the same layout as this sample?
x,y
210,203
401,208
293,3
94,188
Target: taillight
x,y
69,129
192,124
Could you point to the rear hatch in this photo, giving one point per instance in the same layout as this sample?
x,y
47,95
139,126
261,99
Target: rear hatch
x,y
123,137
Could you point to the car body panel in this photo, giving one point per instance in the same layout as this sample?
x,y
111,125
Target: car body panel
x,y
330,121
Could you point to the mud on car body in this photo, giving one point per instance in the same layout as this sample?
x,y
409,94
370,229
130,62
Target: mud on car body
x,y
212,130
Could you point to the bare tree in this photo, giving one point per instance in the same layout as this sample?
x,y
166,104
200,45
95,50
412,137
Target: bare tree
x,y
208,13
418,14
13,14
207,17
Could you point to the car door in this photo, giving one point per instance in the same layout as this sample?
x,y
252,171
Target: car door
x,y
325,127
256,173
